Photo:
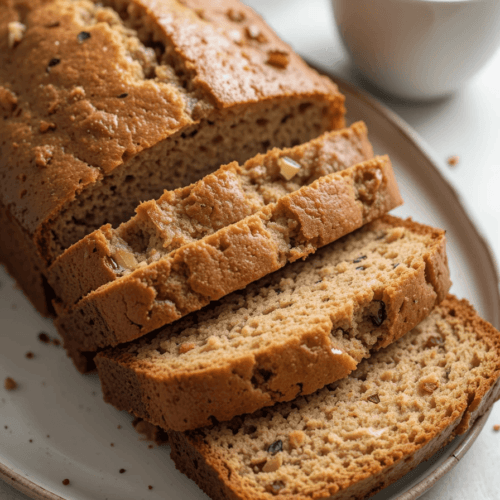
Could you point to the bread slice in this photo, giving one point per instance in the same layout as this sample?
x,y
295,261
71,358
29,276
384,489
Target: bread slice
x,y
354,437
105,104
291,333
188,214
197,273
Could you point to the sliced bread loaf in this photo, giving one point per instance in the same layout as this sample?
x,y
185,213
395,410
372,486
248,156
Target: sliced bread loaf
x,y
354,437
106,104
291,333
190,213
197,273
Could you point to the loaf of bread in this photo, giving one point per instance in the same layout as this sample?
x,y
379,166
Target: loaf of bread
x,y
291,333
188,214
104,105
197,273
354,437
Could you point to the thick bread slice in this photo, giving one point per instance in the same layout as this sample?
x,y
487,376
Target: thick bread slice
x,y
291,333
104,104
355,437
190,213
197,273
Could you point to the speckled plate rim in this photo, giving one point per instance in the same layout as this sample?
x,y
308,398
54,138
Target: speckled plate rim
x,y
24,485
37,492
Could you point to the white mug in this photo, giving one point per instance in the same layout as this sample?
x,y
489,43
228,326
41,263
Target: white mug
x,y
419,49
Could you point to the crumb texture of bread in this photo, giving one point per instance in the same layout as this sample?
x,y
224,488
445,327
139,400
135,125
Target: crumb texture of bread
x,y
356,436
188,214
291,333
199,272
105,104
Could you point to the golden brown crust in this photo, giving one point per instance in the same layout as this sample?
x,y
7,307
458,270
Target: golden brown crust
x,y
214,473
230,388
80,98
70,94
200,272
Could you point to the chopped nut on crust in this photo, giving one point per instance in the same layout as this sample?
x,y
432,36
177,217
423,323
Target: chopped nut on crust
x,y
288,167
16,33
43,155
77,94
125,259
278,58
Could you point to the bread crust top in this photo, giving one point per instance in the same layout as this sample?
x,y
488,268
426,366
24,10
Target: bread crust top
x,y
83,88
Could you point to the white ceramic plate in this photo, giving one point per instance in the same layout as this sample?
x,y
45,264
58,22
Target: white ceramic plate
x,y
72,429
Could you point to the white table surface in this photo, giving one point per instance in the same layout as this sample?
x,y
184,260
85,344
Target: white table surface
x,y
466,124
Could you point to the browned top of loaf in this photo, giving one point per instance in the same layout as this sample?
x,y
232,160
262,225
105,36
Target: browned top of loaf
x,y
362,432
76,106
